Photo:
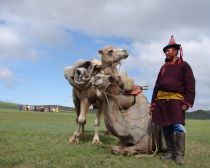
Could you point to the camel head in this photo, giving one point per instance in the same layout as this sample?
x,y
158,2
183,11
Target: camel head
x,y
111,55
104,82
76,77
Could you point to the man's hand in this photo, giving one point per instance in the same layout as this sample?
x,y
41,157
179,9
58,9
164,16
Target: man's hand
x,y
184,107
152,106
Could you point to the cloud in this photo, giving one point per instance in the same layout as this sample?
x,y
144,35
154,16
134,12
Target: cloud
x,y
13,47
7,77
28,25
45,23
140,20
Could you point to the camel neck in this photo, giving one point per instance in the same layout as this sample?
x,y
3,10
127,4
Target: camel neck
x,y
105,65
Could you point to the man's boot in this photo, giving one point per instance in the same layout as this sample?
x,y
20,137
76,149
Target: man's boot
x,y
180,148
170,144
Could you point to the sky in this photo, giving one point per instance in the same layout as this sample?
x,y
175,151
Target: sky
x,y
39,38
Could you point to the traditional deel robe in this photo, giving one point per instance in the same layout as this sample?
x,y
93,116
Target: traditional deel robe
x,y
175,86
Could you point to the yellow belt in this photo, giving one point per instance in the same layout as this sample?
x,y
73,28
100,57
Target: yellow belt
x,y
169,95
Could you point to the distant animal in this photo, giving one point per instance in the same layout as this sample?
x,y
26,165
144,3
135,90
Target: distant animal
x,y
26,107
41,109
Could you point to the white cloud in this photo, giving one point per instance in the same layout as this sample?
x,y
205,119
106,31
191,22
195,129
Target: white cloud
x,y
28,24
12,46
140,20
144,21
7,77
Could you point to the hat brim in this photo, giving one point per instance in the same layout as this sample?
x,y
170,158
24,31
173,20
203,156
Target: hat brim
x,y
176,46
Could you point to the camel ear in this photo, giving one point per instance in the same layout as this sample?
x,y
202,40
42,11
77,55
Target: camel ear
x,y
100,51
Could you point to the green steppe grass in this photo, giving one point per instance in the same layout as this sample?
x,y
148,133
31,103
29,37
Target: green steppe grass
x,y
41,140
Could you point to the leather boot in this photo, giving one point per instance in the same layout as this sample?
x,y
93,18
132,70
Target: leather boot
x,y
170,144
180,148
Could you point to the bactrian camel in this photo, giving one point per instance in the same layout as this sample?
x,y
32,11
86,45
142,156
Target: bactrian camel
x,y
80,77
132,126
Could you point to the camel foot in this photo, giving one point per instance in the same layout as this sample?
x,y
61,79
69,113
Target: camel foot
x,y
74,140
117,150
126,151
96,141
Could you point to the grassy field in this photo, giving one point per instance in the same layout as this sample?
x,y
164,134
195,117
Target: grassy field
x,y
35,139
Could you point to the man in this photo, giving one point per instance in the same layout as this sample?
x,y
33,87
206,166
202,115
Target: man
x,y
173,94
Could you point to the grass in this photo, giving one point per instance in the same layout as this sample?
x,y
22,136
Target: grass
x,y
8,105
41,140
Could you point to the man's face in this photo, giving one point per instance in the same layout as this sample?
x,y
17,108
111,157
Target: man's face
x,y
170,53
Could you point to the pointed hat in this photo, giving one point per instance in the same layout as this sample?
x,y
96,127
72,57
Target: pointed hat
x,y
172,43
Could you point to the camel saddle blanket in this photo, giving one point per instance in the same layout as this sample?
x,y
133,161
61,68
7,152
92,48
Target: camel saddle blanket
x,y
136,90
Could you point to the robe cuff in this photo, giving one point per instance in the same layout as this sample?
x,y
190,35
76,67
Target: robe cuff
x,y
152,106
188,104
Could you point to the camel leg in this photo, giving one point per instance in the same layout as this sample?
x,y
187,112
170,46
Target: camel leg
x,y
83,136
96,125
143,147
81,120
128,151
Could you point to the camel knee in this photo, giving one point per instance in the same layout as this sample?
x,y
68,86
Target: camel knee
x,y
81,119
83,123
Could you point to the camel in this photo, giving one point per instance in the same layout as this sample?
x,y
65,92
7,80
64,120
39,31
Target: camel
x,y
132,126
79,76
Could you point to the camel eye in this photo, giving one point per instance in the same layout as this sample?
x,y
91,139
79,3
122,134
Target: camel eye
x,y
110,52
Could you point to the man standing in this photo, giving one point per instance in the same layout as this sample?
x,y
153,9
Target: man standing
x,y
173,94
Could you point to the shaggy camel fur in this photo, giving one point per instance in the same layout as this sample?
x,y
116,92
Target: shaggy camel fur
x,y
79,76
133,126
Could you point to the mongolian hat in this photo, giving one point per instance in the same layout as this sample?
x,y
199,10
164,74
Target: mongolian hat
x,y
171,44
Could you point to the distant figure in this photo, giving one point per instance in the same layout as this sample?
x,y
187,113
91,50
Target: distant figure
x,y
20,107
56,110
173,94
27,107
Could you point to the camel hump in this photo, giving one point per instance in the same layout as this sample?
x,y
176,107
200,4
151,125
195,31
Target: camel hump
x,y
96,62
127,82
